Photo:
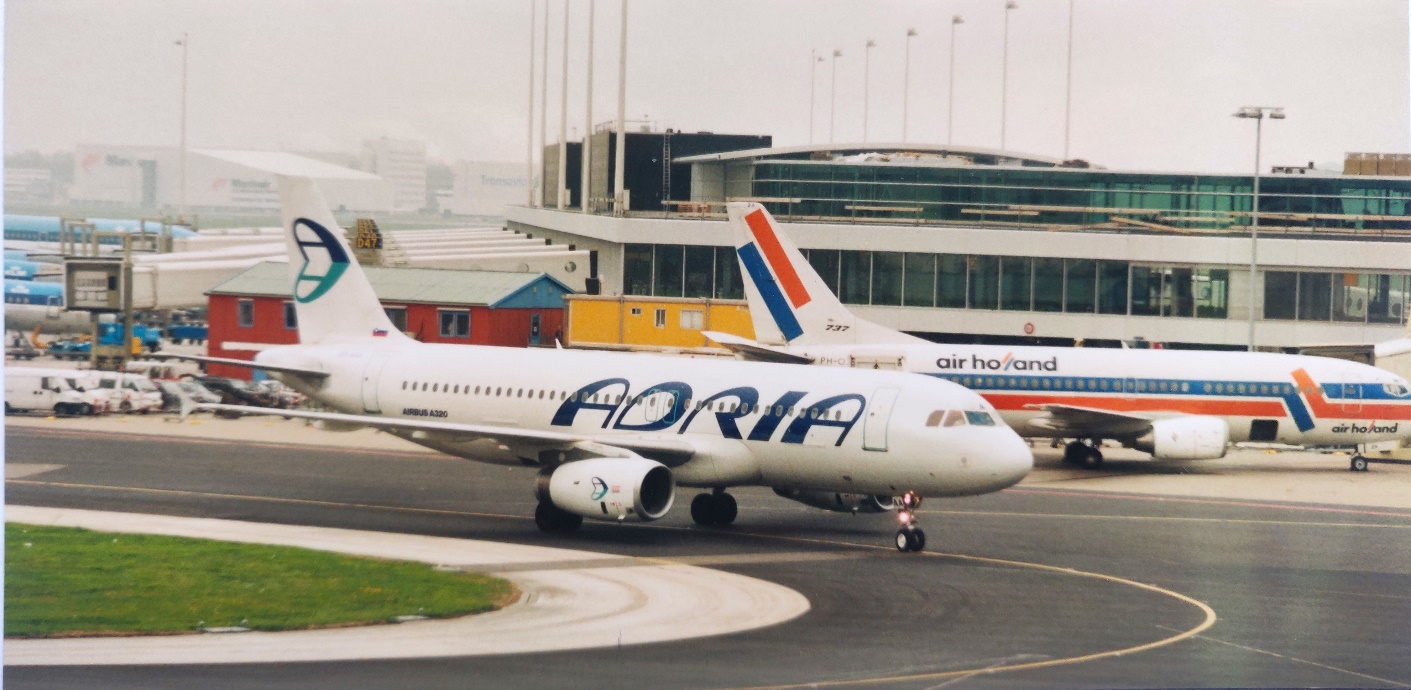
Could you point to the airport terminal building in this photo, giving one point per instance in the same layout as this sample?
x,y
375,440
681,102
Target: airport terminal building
x,y
963,244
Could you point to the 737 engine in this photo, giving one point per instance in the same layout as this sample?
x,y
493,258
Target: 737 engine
x,y
1185,438
608,488
840,503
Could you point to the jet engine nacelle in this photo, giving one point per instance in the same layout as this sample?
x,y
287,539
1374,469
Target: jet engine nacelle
x,y
610,488
1186,438
840,503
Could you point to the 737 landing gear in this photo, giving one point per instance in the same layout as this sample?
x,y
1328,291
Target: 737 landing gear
x,y
714,509
909,537
1359,463
1080,453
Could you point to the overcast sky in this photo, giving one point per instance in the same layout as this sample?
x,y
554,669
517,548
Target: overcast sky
x,y
1154,83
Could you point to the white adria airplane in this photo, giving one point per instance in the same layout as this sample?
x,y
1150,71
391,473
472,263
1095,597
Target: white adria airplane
x,y
1171,404
615,433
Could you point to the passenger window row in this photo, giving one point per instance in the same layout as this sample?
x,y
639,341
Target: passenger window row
x,y
605,399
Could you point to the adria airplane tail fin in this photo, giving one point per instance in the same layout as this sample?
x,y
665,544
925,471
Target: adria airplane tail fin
x,y
789,302
332,297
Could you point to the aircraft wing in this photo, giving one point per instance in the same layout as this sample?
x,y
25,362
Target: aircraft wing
x,y
753,351
1089,421
309,373
668,451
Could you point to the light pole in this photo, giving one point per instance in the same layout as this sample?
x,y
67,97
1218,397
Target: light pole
x,y
184,43
620,202
1256,113
833,94
1068,90
866,78
906,82
544,111
813,61
955,21
529,135
1004,72
561,192
587,155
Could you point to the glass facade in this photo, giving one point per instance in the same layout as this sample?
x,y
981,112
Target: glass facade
x,y
1006,195
1377,298
1021,283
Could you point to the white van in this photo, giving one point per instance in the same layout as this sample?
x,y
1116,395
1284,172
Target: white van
x,y
42,392
137,392
85,381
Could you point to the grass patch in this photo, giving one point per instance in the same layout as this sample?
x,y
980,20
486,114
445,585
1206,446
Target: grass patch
x,y
68,582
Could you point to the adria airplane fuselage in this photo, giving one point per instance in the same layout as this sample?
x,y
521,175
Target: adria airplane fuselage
x,y
1173,404
615,433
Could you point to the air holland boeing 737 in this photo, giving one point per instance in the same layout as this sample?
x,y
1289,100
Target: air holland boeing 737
x,y
615,433
1171,404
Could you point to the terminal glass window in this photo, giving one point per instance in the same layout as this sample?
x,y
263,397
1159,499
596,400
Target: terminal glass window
x,y
1315,296
1349,297
454,324
700,269
1016,274
919,288
728,284
1280,294
669,269
1080,286
826,263
1112,287
637,269
951,275
984,282
854,277
1048,284
886,278
1176,297
1212,293
398,317
245,311
1146,291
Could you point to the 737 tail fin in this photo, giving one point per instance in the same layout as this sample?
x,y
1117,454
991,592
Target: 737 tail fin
x,y
789,302
332,297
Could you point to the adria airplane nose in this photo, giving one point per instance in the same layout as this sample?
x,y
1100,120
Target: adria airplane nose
x,y
1008,460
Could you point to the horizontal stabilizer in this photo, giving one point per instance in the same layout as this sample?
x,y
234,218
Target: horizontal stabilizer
x,y
308,373
753,351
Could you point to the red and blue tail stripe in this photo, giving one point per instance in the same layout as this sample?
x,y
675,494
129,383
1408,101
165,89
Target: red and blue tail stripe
x,y
770,271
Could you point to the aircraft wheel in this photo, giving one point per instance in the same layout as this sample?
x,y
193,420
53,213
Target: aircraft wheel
x,y
1359,463
910,539
703,509
1075,453
1094,458
726,509
551,518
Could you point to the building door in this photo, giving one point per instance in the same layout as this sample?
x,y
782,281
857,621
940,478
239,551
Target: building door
x,y
879,413
534,329
372,375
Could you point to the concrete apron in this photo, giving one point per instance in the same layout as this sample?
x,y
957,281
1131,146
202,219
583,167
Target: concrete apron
x,y
572,600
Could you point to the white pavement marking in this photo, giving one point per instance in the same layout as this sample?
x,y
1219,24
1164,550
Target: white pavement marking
x,y
562,609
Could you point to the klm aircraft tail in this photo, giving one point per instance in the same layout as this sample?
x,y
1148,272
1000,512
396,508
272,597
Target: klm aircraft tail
x,y
332,297
789,302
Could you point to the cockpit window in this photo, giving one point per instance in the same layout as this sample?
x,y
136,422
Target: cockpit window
x,y
980,418
1397,389
935,418
954,418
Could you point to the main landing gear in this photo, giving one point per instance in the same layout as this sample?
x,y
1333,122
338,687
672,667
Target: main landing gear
x,y
1083,453
1359,463
715,509
909,537
551,518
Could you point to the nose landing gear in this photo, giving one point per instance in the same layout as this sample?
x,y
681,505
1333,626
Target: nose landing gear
x,y
909,536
